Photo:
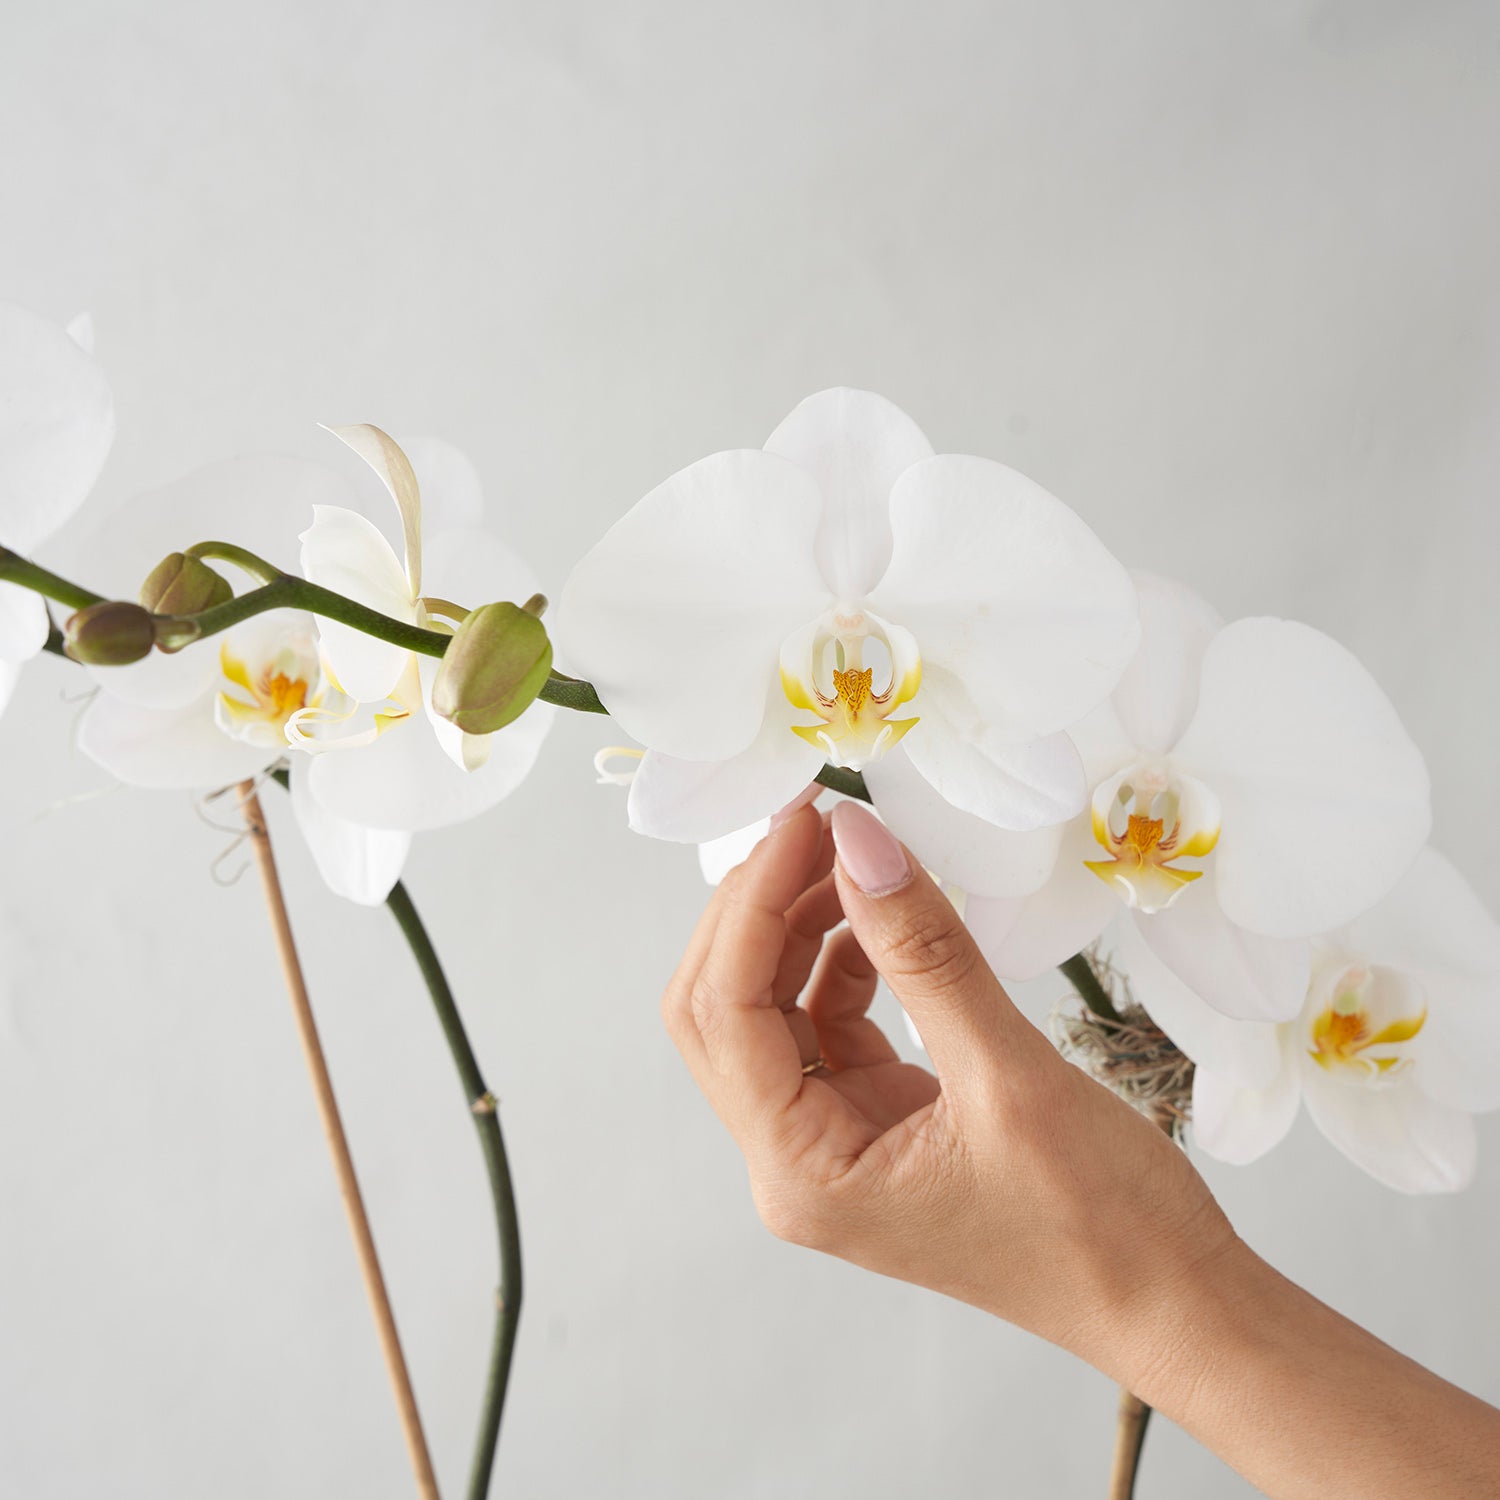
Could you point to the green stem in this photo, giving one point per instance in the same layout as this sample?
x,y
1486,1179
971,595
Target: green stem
x,y
287,592
241,557
482,1105
1080,974
20,570
850,783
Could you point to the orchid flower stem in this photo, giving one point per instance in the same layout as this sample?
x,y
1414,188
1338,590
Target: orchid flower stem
x,y
22,571
241,557
1079,972
850,783
338,1145
482,1106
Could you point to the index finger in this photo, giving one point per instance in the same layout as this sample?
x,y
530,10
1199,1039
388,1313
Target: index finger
x,y
753,1066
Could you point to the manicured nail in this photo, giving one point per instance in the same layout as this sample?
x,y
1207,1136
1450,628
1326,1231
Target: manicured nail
x,y
868,851
795,805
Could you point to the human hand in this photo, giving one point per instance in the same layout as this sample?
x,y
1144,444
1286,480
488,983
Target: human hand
x,y
1009,1180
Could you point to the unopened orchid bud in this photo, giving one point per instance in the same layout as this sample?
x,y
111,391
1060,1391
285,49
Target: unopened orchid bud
x,y
112,633
183,585
173,632
493,668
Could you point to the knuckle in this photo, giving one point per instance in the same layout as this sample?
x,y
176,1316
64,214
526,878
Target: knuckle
x,y
930,946
703,1006
792,1214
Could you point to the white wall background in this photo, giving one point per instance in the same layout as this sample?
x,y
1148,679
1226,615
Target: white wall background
x,y
1222,276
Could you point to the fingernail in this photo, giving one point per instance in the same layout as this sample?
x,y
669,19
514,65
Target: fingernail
x,y
795,805
868,851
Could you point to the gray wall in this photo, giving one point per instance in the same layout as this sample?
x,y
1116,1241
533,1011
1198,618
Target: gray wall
x,y
1221,276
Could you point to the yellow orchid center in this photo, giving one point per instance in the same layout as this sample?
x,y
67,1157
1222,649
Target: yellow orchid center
x,y
265,682
824,671
1147,819
1361,1032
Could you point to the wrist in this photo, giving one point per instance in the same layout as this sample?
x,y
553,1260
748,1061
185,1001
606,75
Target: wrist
x,y
1165,1336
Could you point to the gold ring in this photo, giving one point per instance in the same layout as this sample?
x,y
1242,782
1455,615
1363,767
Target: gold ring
x,y
814,1065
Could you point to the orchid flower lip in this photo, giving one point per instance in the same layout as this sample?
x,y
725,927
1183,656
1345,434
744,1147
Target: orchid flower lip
x,y
1147,817
1361,1021
851,669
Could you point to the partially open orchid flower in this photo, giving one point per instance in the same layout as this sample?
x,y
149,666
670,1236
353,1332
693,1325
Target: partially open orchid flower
x,y
844,596
217,712
56,426
1395,1048
1251,786
393,762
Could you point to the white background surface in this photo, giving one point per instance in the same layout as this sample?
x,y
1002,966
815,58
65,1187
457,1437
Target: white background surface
x,y
1220,276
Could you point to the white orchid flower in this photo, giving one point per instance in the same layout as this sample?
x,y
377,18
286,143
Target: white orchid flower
x,y
391,762
216,712
56,426
1395,1049
845,596
1251,786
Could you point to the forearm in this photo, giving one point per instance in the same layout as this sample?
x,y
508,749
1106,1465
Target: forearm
x,y
1301,1401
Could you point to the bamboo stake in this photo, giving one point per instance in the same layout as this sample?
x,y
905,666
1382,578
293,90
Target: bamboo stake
x,y
1130,1433
338,1145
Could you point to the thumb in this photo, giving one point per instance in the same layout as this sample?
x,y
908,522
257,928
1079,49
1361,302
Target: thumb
x,y
911,933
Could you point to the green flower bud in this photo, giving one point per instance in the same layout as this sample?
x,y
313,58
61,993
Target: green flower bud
x,y
493,668
112,633
183,585
173,632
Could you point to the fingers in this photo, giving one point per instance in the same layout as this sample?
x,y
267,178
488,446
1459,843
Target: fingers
x,y
838,1001
917,942
749,1064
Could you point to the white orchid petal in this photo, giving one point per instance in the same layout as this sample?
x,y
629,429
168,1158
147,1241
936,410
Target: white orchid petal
x,y
1241,974
1246,1054
261,502
80,328
470,567
693,802
677,613
717,857
10,675
405,780
467,751
344,552
856,445
451,490
965,850
1434,928
1019,786
1158,693
56,426
166,748
394,470
361,864
1008,590
1238,1124
1324,795
23,623
160,681
1103,745
1025,939
1396,1134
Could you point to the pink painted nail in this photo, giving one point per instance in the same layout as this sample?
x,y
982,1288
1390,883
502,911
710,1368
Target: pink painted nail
x,y
868,851
796,805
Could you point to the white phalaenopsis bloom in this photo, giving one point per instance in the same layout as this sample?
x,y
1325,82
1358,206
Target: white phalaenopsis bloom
x,y
216,712
1396,1046
845,596
391,762
56,426
1250,787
